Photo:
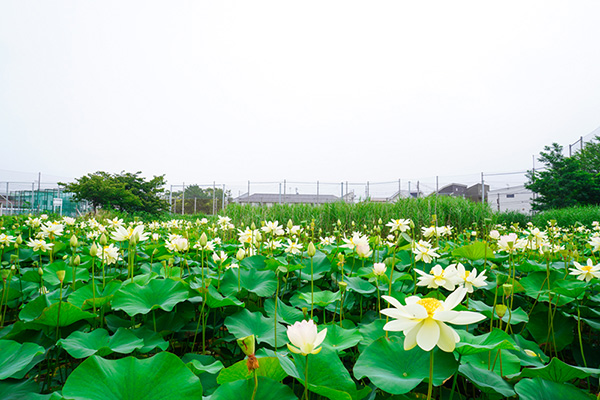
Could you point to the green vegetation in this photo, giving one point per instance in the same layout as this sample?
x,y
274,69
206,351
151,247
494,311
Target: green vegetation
x,y
566,181
455,211
125,192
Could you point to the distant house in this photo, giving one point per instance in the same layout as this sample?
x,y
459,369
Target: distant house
x,y
269,199
474,192
453,189
403,194
515,198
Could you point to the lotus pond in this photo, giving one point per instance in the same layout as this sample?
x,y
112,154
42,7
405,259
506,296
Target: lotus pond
x,y
107,309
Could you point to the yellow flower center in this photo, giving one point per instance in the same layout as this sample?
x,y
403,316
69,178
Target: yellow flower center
x,y
467,273
430,304
586,268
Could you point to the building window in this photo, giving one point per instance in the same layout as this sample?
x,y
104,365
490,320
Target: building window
x,y
510,196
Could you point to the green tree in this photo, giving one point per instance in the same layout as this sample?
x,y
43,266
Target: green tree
x,y
566,181
126,191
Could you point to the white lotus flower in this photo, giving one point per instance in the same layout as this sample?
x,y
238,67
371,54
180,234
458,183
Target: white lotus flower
x,y
586,272
379,269
469,279
304,338
423,320
39,245
109,254
135,235
273,227
424,251
401,225
293,247
438,276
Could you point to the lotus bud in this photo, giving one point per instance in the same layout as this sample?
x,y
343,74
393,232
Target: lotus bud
x,y
411,224
93,250
40,271
339,223
203,239
508,288
19,240
61,275
258,237
154,252
14,259
253,226
171,262
340,259
290,224
76,260
500,310
73,241
247,344
5,273
103,241
380,221
65,256
311,250
240,254
343,286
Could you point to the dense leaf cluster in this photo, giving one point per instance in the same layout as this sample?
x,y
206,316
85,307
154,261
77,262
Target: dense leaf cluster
x,y
566,181
127,192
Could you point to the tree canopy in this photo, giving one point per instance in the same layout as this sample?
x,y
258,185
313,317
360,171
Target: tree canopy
x,y
128,192
566,181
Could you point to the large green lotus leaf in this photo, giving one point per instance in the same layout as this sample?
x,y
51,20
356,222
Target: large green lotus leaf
x,y
158,293
398,371
373,331
68,314
474,251
327,375
262,283
216,300
321,265
563,327
515,317
34,308
359,285
321,298
570,288
82,345
486,380
267,366
152,340
338,338
534,357
84,296
17,359
507,364
268,389
162,377
537,388
199,364
285,313
51,278
257,262
471,344
245,323
558,371
24,390
536,287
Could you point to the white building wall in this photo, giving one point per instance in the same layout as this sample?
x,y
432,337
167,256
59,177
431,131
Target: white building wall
x,y
516,198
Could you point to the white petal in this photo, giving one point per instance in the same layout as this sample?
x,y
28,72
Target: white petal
x,y
393,302
428,335
447,340
467,317
320,337
410,341
416,311
455,298
400,325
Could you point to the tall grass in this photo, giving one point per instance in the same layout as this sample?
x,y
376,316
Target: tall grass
x,y
455,211
570,216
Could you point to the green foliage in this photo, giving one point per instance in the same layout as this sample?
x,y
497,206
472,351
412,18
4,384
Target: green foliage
x,y
458,212
566,181
569,216
125,192
199,201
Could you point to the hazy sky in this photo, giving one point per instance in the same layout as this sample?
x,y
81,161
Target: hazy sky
x,y
231,91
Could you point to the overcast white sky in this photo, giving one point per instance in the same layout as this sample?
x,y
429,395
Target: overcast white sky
x,y
231,91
